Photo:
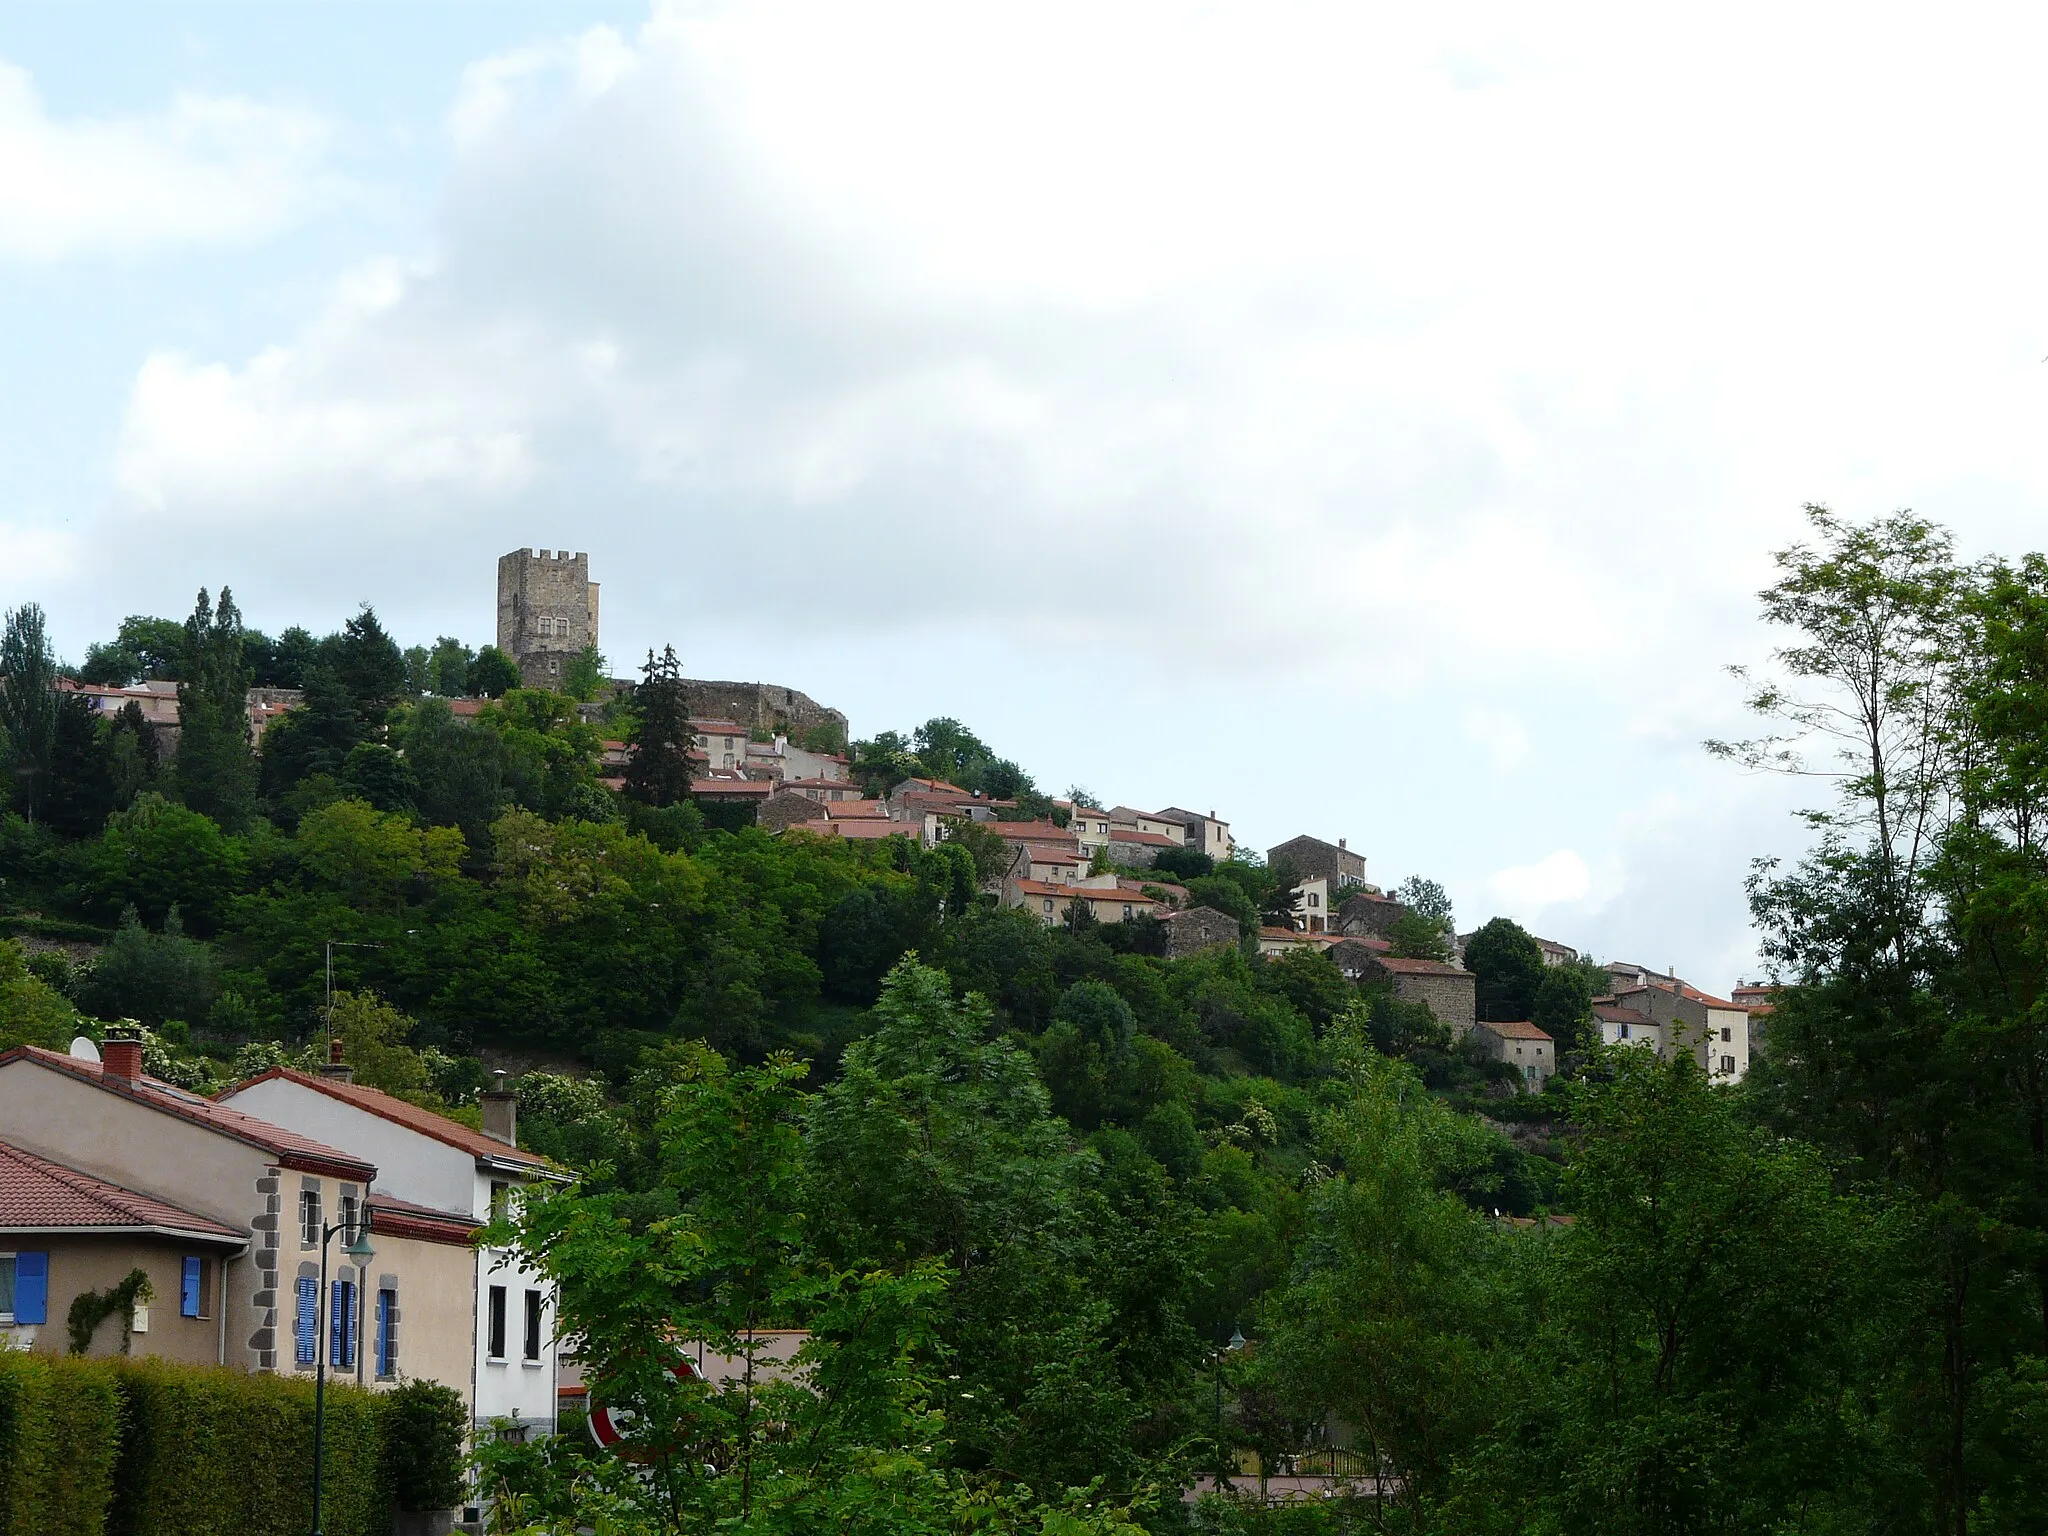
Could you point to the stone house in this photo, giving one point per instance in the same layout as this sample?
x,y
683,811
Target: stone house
x,y
1555,953
723,743
1529,1050
1622,1025
1203,832
1198,928
1338,866
788,808
1050,866
1353,954
1363,913
1049,903
64,1232
271,1186
1449,991
1713,1030
438,1175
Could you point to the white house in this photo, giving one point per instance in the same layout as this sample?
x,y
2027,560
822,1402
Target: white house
x,y
443,1166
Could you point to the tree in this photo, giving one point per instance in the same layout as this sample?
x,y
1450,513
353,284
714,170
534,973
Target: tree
x,y
450,662
585,678
419,671
1563,1008
370,666
150,977
156,855
1508,965
80,788
28,704
375,1042
295,651
1425,928
31,1012
315,738
1183,864
373,858
493,674
658,769
143,648
215,772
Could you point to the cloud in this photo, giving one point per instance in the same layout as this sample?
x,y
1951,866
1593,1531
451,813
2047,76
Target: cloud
x,y
1551,881
1499,734
209,170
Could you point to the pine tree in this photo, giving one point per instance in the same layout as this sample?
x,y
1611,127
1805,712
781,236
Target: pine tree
x,y
215,771
659,773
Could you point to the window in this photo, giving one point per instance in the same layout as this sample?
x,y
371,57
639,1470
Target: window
x,y
1531,1073
341,1325
24,1288
1624,1031
501,1198
1127,909
306,1323
532,1349
494,1339
1728,1065
1048,903
348,1218
1727,1034
192,1288
309,1218
387,1333
1315,898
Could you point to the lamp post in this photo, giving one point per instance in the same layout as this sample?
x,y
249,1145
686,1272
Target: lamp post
x,y
1222,1457
357,1246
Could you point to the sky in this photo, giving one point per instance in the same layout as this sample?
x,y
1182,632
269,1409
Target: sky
x,y
1351,420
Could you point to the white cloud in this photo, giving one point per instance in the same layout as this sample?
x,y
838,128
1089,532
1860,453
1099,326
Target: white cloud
x,y
1551,881
1499,734
209,170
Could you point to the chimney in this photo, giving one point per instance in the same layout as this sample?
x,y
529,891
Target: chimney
x,y
121,1057
500,1112
334,1068
1343,843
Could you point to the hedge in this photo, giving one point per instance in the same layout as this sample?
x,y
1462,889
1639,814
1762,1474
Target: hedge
x,y
60,1431
120,1447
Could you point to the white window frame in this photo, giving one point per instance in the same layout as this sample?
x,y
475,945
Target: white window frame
x,y
7,1317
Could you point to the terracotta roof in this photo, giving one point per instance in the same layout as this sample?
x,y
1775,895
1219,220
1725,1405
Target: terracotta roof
x,y
862,826
1296,936
1517,1029
1614,1013
1040,854
386,1107
1373,942
1030,831
290,1149
731,787
1401,965
401,1218
1086,893
857,810
39,1195
1143,839
718,728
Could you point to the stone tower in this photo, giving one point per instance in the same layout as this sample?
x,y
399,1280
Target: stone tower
x,y
547,612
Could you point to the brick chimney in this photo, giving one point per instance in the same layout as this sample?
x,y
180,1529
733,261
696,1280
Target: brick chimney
x,y
334,1068
122,1058
500,1111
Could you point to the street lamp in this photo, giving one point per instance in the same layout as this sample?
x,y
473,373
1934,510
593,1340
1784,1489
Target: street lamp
x,y
357,1246
1236,1343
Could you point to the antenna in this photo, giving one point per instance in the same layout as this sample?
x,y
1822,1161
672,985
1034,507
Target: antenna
x,y
82,1049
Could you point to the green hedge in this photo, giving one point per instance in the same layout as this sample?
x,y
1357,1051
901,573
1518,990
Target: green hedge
x,y
60,1431
147,1448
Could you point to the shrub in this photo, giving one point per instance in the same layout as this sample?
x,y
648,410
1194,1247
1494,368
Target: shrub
x,y
60,1430
209,1452
426,1429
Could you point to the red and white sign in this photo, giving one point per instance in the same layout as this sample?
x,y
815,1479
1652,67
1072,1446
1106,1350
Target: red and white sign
x,y
610,1425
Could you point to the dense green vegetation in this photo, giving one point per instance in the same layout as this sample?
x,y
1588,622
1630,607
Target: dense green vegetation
x,y
1022,1183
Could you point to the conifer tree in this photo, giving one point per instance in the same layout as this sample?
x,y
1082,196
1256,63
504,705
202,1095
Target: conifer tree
x,y
28,707
659,773
215,771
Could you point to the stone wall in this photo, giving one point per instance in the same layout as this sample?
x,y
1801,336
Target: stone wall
x,y
786,809
1198,928
1365,915
1130,855
761,706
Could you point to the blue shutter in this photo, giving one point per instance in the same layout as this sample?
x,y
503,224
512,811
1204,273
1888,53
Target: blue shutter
x,y
385,1353
31,1287
348,1325
336,1313
306,1327
188,1290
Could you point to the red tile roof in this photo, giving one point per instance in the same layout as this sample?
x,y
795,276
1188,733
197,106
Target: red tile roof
x,y
290,1149
874,827
39,1195
733,788
1517,1029
1086,893
393,1217
857,810
1040,854
1614,1013
1142,839
377,1102
1400,965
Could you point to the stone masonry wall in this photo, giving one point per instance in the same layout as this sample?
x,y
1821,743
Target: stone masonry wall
x,y
547,611
761,706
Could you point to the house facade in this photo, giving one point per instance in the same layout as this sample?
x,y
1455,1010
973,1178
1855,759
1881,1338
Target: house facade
x,y
1203,832
1338,866
449,1178
273,1187
1448,991
1529,1050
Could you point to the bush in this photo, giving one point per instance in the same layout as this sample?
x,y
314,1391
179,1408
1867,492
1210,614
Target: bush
x,y
425,1430
60,1431
209,1451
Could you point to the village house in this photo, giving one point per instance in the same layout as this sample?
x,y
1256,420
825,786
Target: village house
x,y
723,743
1367,913
1198,928
437,1175
1048,865
1354,954
1203,833
64,1232
1448,991
1714,1031
1339,868
1555,953
1106,899
274,1188
1529,1050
